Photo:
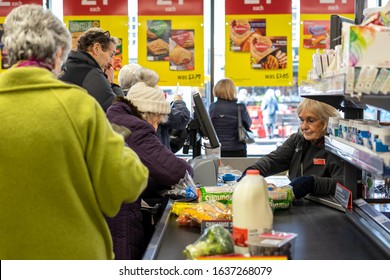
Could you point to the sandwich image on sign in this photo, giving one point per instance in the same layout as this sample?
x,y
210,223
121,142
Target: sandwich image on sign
x,y
158,47
157,36
181,50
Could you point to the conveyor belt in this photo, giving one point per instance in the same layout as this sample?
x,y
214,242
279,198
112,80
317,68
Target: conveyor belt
x,y
323,234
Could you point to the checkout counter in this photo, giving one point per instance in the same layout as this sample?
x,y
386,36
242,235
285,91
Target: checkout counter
x,y
324,233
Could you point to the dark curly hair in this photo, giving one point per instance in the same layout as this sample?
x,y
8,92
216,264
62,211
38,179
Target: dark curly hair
x,y
95,35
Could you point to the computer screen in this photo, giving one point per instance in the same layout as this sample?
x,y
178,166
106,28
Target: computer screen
x,y
206,127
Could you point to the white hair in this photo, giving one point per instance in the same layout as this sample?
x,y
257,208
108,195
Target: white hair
x,y
32,32
131,74
127,76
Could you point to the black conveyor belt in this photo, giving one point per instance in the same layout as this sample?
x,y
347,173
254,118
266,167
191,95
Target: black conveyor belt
x,y
323,234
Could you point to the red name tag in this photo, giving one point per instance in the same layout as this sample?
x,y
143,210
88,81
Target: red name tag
x,y
318,161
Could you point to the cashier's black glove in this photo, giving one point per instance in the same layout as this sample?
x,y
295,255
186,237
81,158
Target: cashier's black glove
x,y
302,186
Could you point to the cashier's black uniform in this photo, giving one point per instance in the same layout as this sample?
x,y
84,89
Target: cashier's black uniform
x,y
304,158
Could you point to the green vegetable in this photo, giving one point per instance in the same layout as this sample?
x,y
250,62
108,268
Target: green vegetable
x,y
216,240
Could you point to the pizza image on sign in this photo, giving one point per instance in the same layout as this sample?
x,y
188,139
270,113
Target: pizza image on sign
x,y
242,32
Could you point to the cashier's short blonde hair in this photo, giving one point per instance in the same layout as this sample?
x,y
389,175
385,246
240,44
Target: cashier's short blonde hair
x,y
225,89
320,109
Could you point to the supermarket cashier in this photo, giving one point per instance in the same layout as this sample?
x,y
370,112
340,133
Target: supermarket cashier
x,y
311,168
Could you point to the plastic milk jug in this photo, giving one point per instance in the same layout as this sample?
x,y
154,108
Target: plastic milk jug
x,y
252,213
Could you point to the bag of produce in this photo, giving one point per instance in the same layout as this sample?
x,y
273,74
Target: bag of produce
x,y
215,240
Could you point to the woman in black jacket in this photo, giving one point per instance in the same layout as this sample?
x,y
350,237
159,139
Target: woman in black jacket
x,y
224,116
311,168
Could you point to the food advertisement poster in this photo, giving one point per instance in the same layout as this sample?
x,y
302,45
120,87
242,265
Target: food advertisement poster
x,y
6,6
259,42
181,50
315,28
316,34
170,40
110,15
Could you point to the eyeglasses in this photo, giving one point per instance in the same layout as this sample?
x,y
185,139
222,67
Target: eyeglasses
x,y
309,121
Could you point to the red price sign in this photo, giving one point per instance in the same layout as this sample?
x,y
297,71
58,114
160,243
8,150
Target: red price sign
x,y
244,7
6,6
327,6
95,7
170,7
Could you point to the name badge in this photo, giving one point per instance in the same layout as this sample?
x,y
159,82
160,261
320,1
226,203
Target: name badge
x,y
318,161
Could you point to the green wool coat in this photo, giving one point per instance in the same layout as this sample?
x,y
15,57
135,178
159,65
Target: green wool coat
x,y
62,169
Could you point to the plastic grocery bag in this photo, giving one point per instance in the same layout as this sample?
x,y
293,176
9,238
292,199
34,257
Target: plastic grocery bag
x,y
185,188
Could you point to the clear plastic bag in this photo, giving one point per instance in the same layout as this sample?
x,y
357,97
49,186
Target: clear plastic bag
x,y
185,188
215,240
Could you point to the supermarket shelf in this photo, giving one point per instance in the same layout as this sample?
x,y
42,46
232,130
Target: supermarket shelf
x,y
379,101
329,90
355,154
325,86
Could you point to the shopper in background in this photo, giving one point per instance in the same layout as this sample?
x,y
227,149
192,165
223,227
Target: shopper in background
x,y
311,168
129,76
224,116
143,109
179,116
173,133
90,66
62,166
269,107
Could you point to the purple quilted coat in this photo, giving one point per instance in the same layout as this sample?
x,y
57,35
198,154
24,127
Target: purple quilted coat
x,y
165,169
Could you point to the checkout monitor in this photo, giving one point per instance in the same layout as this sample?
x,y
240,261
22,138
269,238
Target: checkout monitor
x,y
206,128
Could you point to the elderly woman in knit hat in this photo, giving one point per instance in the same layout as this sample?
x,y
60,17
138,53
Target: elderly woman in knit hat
x,y
143,108
172,133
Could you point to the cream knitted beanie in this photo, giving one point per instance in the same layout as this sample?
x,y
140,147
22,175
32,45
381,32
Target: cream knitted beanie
x,y
148,99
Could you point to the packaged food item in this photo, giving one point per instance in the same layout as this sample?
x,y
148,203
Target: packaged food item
x,y
222,194
206,210
177,207
273,243
215,240
282,197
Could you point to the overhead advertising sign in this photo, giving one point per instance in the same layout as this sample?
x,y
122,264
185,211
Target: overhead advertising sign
x,y
327,7
170,40
95,7
110,15
5,8
259,42
315,28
